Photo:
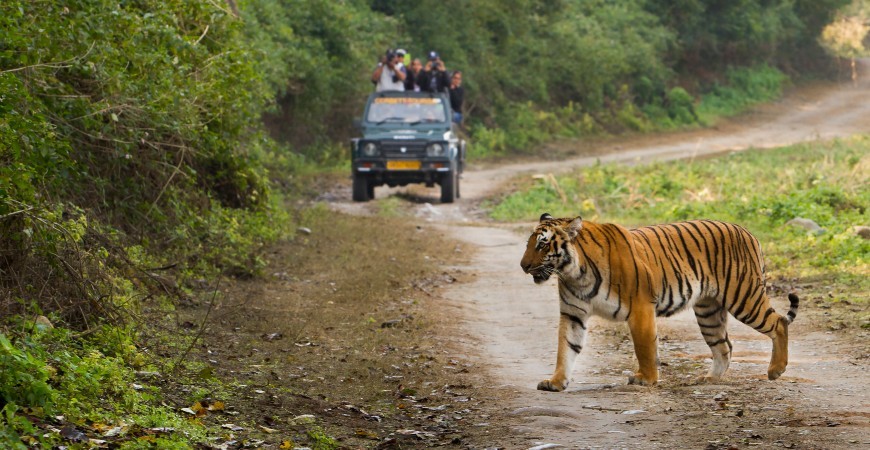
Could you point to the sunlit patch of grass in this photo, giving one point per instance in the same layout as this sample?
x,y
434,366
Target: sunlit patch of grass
x,y
389,207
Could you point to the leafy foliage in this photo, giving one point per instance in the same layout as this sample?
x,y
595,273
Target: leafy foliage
x,y
746,87
316,57
135,117
615,65
129,135
23,378
845,36
48,372
140,119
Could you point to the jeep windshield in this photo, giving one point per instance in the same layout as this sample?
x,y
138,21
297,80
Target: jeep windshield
x,y
406,110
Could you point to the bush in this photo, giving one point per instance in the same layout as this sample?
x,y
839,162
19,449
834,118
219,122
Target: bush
x,y
23,378
126,123
746,87
681,106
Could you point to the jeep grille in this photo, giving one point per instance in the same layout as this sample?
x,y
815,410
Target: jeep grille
x,y
413,149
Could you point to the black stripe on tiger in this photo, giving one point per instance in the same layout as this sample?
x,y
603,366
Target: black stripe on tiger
x,y
794,302
705,251
755,310
767,314
574,347
716,310
712,257
720,341
575,320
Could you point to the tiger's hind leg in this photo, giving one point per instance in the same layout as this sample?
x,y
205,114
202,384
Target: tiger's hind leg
x,y
763,318
713,320
779,358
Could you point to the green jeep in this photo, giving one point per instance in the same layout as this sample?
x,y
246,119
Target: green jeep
x,y
408,137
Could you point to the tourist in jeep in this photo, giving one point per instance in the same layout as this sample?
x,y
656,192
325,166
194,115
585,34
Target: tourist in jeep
x,y
388,76
414,77
435,77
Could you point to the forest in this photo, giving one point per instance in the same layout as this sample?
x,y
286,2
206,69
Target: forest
x,y
150,149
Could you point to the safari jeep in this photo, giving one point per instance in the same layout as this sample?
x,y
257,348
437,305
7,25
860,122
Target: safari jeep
x,y
407,138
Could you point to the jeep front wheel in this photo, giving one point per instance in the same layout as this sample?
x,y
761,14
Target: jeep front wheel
x,y
449,187
361,191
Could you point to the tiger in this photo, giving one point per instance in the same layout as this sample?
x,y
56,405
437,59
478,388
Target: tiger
x,y
636,275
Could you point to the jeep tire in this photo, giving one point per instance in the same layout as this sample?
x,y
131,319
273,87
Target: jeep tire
x,y
449,187
458,193
361,188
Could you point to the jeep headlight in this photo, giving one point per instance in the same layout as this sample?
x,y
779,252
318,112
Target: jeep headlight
x,y
435,149
370,149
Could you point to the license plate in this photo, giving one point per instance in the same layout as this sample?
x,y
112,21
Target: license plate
x,y
403,165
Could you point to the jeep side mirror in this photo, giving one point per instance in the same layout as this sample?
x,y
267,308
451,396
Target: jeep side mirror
x,y
357,123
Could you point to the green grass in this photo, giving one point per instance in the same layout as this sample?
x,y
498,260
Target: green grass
x,y
826,182
90,382
746,87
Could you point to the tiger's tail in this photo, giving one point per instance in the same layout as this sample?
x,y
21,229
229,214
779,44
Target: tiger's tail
x,y
792,310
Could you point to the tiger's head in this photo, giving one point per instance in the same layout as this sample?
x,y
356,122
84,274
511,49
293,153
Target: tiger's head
x,y
549,249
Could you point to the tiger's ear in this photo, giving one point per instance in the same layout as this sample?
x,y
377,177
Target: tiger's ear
x,y
574,227
545,216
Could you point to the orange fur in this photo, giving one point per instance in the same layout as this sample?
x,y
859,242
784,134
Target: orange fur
x,y
607,270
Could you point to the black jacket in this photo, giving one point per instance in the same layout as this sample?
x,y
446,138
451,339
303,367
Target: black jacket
x,y
411,79
456,97
442,80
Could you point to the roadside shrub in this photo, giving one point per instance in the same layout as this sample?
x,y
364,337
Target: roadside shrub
x,y
681,106
12,427
487,142
23,378
120,124
746,86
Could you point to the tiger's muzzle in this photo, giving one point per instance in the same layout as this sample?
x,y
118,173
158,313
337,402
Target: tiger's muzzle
x,y
539,274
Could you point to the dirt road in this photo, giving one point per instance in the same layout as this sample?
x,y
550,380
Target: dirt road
x,y
820,402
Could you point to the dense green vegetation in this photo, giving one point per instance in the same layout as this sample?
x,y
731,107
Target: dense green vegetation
x,y
539,69
127,139
762,190
137,139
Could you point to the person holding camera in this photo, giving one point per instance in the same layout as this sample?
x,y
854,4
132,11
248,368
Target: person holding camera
x,y
434,78
389,76
400,57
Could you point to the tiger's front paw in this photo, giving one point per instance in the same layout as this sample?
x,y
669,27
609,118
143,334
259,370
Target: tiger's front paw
x,y
553,385
774,372
641,380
